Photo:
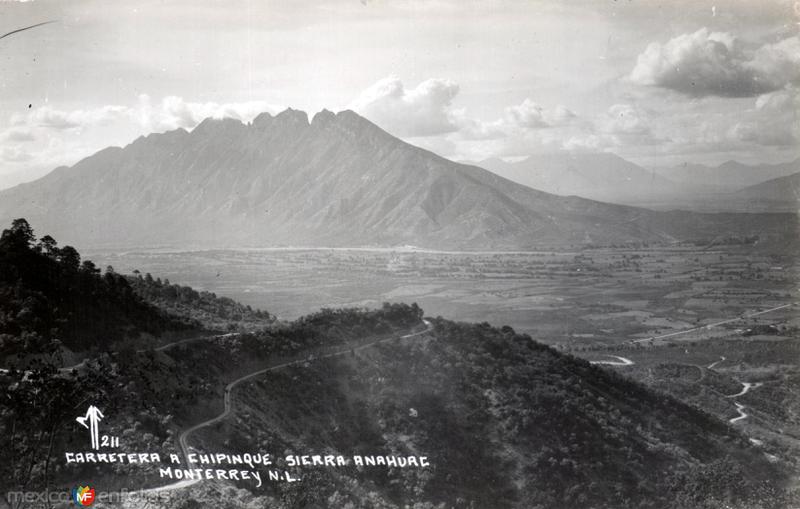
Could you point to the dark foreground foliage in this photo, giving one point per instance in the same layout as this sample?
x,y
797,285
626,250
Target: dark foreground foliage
x,y
506,422
206,308
49,298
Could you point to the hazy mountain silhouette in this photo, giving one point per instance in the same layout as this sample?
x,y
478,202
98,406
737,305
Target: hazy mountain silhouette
x,y
728,176
779,195
598,176
338,180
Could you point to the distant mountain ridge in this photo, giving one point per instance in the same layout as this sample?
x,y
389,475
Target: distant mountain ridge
x,y
728,176
338,180
597,176
782,194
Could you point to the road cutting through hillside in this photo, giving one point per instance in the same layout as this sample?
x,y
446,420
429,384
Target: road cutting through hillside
x,y
228,403
623,361
228,407
742,413
746,387
189,340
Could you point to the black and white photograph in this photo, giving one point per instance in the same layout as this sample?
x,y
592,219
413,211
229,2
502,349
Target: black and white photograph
x,y
412,254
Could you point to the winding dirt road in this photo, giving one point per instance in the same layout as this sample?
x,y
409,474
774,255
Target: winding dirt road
x,y
623,361
183,439
742,413
306,357
746,386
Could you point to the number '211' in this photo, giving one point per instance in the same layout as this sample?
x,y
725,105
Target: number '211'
x,y
109,441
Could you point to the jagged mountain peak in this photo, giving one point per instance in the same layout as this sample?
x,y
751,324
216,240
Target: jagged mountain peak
x,y
291,116
294,119
323,118
339,180
212,125
262,119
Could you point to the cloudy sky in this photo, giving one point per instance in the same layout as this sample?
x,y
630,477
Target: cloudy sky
x,y
657,82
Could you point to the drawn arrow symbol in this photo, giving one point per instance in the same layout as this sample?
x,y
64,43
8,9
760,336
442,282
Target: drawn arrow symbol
x,y
93,415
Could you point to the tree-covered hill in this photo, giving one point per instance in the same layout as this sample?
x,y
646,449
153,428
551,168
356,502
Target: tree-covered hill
x,y
212,311
506,422
49,298
150,396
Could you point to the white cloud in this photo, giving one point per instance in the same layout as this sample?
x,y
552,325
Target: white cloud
x,y
779,63
531,115
54,136
624,119
425,116
174,112
170,113
17,134
528,114
51,118
561,115
773,121
15,154
421,111
707,63
474,129
590,143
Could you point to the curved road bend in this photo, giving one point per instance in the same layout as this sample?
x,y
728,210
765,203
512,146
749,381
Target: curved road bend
x,y
742,414
623,361
228,405
746,386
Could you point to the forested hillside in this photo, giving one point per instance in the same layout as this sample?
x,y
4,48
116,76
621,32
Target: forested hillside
x,y
506,422
213,312
50,298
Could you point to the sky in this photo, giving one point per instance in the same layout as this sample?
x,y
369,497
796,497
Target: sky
x,y
659,83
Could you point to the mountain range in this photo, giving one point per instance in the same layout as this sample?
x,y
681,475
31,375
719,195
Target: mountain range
x,y
728,176
610,178
780,194
598,176
338,180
